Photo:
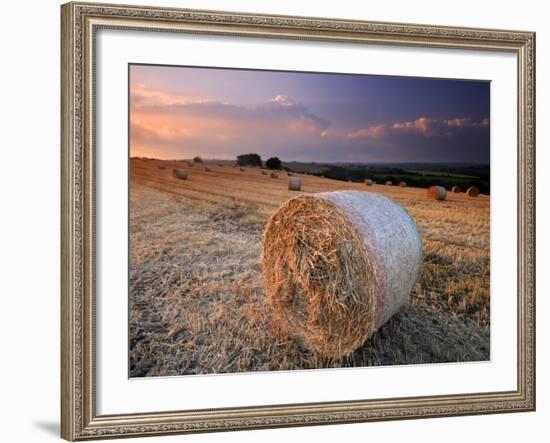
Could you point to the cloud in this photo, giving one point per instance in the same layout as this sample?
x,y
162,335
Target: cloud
x,y
283,100
299,116
141,96
426,126
421,139
182,125
482,124
143,132
371,132
459,122
423,126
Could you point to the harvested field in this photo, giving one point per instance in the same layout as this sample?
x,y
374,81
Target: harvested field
x,y
197,303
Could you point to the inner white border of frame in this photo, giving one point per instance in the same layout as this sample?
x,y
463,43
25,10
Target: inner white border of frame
x,y
116,393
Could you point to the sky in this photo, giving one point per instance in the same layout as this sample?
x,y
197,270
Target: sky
x,y
180,112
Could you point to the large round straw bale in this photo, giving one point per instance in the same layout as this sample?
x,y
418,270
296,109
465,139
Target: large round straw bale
x,y
472,192
369,182
264,172
274,175
162,165
389,183
456,189
179,173
207,169
294,184
437,193
337,266
402,184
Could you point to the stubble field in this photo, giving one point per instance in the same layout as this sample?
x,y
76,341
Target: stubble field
x,y
196,299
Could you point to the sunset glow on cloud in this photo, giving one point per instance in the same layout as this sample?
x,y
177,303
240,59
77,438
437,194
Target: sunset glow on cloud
x,y
424,126
215,113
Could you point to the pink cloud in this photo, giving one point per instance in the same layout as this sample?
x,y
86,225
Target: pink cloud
x,y
162,122
423,126
459,122
141,96
372,132
483,123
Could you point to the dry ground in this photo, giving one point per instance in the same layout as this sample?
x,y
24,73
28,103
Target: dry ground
x,y
196,298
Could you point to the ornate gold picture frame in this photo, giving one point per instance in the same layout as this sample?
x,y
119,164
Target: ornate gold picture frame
x,y
80,22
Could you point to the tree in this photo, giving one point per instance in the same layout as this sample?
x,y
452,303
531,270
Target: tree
x,y
197,159
274,163
249,160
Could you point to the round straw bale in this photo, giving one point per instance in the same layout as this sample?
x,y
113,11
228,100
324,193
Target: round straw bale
x,y
437,193
294,184
456,189
290,174
179,173
369,182
264,172
162,165
402,184
190,162
241,169
207,169
389,183
274,175
472,192
220,165
337,266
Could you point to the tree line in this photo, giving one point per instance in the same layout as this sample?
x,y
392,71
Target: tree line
x,y
255,160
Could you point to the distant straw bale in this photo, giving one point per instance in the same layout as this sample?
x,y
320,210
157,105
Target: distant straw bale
x,y
456,189
437,193
402,184
241,169
220,165
180,173
264,172
207,169
190,162
337,266
294,184
274,175
162,165
389,183
472,192
290,174
369,182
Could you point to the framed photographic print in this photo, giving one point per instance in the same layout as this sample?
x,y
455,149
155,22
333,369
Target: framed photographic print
x,y
282,221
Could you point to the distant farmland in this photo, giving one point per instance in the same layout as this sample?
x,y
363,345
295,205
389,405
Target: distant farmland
x,y
418,175
196,299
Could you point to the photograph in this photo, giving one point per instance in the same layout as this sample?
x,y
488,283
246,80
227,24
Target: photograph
x,y
275,220
288,220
